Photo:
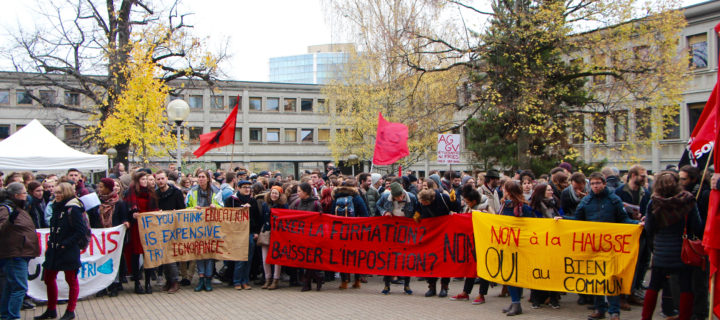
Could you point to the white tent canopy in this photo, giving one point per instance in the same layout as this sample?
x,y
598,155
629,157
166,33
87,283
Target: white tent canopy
x,y
34,148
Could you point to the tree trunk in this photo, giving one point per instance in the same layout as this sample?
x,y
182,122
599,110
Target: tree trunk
x,y
523,150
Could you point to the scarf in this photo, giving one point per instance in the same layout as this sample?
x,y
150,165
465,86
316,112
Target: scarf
x,y
669,211
107,208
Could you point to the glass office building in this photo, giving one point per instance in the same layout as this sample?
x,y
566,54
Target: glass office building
x,y
316,67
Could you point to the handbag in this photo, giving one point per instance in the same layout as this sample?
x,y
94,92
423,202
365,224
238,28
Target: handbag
x,y
263,238
693,253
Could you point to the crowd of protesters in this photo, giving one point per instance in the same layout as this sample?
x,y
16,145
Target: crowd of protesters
x,y
668,205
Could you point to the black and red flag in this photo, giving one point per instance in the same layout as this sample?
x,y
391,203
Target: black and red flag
x,y
221,137
698,150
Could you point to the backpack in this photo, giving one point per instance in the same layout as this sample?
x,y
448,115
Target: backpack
x,y
84,242
345,205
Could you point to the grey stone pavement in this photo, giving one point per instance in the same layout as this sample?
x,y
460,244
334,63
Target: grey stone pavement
x,y
331,303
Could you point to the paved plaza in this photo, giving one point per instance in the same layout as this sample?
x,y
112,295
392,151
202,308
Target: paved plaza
x,y
331,303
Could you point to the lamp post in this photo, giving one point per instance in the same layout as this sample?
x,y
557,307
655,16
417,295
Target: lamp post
x,y
112,153
177,111
352,159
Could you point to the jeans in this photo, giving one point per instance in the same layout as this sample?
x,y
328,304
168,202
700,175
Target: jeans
x,y
602,307
16,273
205,267
241,274
515,294
52,289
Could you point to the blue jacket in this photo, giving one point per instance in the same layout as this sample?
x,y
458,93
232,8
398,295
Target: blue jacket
x,y
509,210
358,202
385,204
602,207
266,214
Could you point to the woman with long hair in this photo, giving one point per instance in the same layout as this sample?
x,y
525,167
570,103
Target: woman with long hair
x,y
67,229
514,204
204,194
545,205
670,213
140,198
273,199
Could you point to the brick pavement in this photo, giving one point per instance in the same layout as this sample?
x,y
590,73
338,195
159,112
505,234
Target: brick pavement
x,y
330,303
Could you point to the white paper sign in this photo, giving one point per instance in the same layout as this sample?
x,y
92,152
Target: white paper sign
x,y
448,148
99,264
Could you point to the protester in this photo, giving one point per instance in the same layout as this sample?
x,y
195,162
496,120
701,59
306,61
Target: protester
x,y
433,203
544,205
18,244
67,230
368,192
602,206
473,201
111,212
273,199
36,204
243,198
671,212
347,202
574,193
139,199
204,194
169,198
307,202
489,189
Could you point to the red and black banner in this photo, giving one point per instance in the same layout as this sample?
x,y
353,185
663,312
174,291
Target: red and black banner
x,y
395,246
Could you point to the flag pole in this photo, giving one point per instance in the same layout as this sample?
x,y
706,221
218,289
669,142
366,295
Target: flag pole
x,y
707,164
712,294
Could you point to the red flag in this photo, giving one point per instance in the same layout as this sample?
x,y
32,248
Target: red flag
x,y
702,139
390,142
221,137
711,238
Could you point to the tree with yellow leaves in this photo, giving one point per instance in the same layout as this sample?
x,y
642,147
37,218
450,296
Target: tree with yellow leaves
x,y
138,118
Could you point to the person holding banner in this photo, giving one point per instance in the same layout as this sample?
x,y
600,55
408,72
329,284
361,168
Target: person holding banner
x,y
18,244
244,198
112,212
204,194
514,204
139,199
67,229
307,202
169,198
601,205
545,205
347,202
434,203
402,204
670,213
273,199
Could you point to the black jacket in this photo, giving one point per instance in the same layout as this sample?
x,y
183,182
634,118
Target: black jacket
x,y
667,241
441,206
256,219
171,199
623,191
66,231
120,215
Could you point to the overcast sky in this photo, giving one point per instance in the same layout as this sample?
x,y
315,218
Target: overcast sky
x,y
256,30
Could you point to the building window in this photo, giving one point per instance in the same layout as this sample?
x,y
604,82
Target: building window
x,y
195,133
238,135
620,122
273,104
306,105
23,97
694,112
290,135
47,96
323,135
321,107
643,123
306,135
255,104
290,105
196,102
273,135
599,133
4,97
72,99
236,100
72,134
698,50
672,127
216,102
255,134
4,131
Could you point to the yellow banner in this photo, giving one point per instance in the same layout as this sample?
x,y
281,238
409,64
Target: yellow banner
x,y
193,234
595,258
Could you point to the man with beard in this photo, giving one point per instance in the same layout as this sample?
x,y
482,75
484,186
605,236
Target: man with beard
x,y
489,189
169,198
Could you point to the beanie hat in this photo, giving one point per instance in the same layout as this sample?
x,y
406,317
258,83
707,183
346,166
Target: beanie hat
x,y
396,189
375,177
278,188
108,183
412,178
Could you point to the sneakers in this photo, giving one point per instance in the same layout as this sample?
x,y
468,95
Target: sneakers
x,y
555,304
479,300
535,305
407,290
462,296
